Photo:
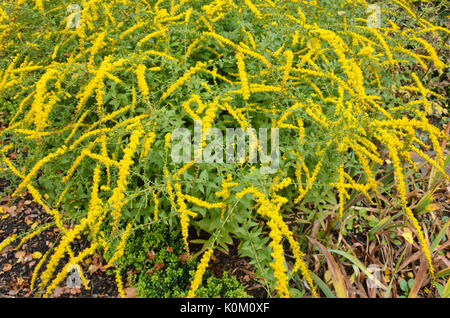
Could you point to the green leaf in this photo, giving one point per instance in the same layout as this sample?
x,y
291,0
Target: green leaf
x,y
323,287
403,285
439,237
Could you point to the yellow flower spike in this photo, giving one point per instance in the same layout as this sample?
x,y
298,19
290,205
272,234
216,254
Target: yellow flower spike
x,y
142,82
183,170
40,108
33,234
250,38
37,268
116,199
63,273
7,241
226,184
132,29
167,142
147,143
27,179
401,188
287,69
120,248
36,196
60,250
251,53
203,203
182,79
156,201
433,55
188,110
341,190
77,162
200,272
40,6
243,76
97,45
253,8
277,229
119,283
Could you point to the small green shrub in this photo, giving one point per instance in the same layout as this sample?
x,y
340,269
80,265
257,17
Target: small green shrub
x,y
159,267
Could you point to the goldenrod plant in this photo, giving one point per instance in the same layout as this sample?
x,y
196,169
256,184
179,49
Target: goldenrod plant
x,y
97,96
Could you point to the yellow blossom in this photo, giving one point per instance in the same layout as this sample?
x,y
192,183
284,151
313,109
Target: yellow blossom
x,y
200,272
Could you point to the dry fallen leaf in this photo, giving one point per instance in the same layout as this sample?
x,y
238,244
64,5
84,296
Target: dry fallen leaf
x,y
151,255
93,268
337,276
183,258
20,256
12,210
58,292
75,290
407,235
7,267
130,292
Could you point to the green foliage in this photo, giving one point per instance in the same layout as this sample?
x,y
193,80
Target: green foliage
x,y
225,287
164,270
342,123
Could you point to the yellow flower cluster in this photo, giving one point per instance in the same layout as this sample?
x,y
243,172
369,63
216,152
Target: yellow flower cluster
x,y
184,219
27,179
119,283
152,35
239,48
287,69
120,248
226,184
243,75
433,55
253,8
310,95
108,65
32,234
200,272
40,109
182,79
393,147
278,228
60,250
142,82
7,241
95,204
37,268
116,199
155,199
63,273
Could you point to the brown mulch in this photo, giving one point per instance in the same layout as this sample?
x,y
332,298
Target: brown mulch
x,y
20,216
238,267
